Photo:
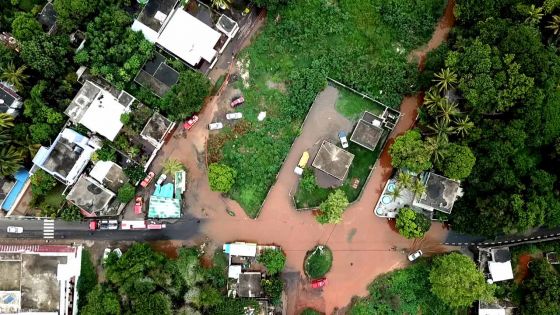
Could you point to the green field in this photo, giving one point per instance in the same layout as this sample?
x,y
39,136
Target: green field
x,y
352,105
362,43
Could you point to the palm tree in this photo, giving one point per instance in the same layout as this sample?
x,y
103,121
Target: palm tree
x,y
463,125
220,4
447,109
6,120
445,79
441,128
10,160
396,193
554,25
535,14
432,98
405,180
418,188
437,146
14,76
171,166
27,147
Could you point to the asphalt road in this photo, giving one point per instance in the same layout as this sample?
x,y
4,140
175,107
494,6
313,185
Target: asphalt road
x,y
182,229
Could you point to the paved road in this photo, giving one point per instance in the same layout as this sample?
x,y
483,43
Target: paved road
x,y
183,229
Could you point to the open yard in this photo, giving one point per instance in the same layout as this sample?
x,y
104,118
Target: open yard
x,y
286,67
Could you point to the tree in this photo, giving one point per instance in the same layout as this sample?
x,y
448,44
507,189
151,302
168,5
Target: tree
x,y
412,224
88,278
101,301
273,288
396,192
457,282
220,4
437,146
126,193
187,96
70,213
446,79
463,126
405,180
273,259
106,153
47,54
221,177
458,162
208,297
71,13
318,262
554,24
432,98
11,160
14,76
534,14
6,120
172,166
441,129
26,27
541,291
410,152
447,110
135,173
41,183
333,207
418,188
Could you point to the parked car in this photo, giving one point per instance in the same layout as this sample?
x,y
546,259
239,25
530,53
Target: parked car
x,y
319,283
138,204
237,101
15,229
148,179
343,140
161,179
231,116
302,163
189,123
417,254
216,126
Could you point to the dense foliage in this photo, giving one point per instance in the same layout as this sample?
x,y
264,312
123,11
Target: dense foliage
x,y
331,210
41,184
88,278
541,291
187,96
273,259
456,280
412,224
221,177
318,262
126,193
410,152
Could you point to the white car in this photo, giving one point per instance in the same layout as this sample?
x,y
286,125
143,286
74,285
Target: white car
x,y
15,229
161,179
106,253
216,126
231,116
417,254
343,140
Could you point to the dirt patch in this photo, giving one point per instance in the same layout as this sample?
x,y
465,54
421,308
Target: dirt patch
x,y
522,269
277,86
243,68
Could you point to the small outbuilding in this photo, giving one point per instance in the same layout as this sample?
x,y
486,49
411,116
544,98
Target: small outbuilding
x,y
249,285
500,265
333,160
367,134
109,174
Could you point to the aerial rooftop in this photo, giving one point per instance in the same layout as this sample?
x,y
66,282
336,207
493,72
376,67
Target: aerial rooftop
x,y
249,284
441,193
156,128
157,75
88,195
10,101
153,17
333,160
367,135
47,18
109,175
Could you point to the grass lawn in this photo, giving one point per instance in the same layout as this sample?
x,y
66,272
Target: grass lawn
x,y
352,105
55,198
362,43
318,262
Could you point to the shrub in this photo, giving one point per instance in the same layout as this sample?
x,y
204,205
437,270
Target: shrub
x,y
70,213
125,118
333,207
88,278
41,184
134,172
410,152
273,288
273,259
318,262
310,311
458,161
412,224
187,96
172,166
106,153
126,193
221,177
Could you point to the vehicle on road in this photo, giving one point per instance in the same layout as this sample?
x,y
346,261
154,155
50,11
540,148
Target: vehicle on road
x,y
148,179
189,123
103,225
319,283
417,254
237,101
231,116
138,204
215,126
302,163
343,140
15,229
161,179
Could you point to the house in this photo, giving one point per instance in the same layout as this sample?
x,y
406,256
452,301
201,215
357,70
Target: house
x,y
92,197
67,156
99,109
109,174
496,263
155,132
39,279
495,308
157,76
441,193
164,23
249,285
10,102
11,191
368,131
333,160
47,18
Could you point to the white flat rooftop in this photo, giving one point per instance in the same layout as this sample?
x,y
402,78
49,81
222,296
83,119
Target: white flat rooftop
x,y
500,271
189,38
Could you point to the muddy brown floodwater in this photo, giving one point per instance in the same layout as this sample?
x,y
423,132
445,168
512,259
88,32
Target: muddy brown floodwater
x,y
364,246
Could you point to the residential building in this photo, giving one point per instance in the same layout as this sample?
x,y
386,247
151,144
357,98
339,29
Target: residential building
x,y
10,102
92,197
495,263
441,193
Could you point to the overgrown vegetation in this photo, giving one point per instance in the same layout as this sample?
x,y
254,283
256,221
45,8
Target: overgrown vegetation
x,y
318,262
412,224
273,259
88,278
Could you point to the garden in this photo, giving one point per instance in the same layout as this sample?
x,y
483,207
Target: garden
x,y
298,50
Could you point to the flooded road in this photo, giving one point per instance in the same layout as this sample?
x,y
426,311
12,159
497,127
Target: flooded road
x,y
364,246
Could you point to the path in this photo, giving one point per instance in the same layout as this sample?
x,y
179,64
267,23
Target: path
x,y
363,245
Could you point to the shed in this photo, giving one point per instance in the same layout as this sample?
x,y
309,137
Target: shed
x,y
333,160
249,285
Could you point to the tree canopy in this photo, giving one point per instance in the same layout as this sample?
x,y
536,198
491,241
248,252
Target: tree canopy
x,y
410,152
333,208
412,224
221,177
273,259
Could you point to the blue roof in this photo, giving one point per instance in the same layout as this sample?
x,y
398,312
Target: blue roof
x,y
21,177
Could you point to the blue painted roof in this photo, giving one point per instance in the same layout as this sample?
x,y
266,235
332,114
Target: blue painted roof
x,y
21,177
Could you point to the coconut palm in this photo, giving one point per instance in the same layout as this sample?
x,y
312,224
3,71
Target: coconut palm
x,y
554,25
6,120
171,166
10,160
441,129
463,125
447,109
534,14
14,76
27,147
437,146
418,188
445,79
405,180
396,193
220,4
432,98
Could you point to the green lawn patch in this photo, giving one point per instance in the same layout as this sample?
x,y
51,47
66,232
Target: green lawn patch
x,y
352,105
318,262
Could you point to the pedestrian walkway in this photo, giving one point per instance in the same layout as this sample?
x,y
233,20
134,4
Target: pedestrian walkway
x,y
48,228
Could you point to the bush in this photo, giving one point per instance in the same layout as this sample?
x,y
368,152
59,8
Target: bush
x,y
273,259
412,224
126,193
410,152
273,288
106,153
221,177
135,173
458,161
318,262
333,207
70,213
88,278
41,184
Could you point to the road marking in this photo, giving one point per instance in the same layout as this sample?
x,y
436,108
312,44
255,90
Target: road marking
x,y
48,228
